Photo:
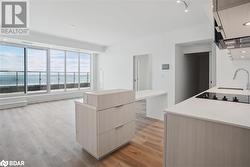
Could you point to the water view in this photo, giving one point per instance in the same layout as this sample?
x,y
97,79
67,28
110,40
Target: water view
x,y
13,61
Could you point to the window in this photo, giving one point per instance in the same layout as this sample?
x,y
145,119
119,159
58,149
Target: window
x,y
37,70
11,69
84,70
72,72
57,69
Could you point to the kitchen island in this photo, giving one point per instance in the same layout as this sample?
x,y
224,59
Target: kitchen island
x,y
156,102
208,133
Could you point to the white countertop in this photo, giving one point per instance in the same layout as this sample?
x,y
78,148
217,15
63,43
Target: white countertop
x,y
110,91
228,91
144,94
237,114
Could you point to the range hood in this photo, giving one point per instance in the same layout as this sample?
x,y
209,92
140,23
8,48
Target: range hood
x,y
229,19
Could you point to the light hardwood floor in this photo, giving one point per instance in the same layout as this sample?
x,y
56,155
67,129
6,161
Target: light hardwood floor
x,y
43,135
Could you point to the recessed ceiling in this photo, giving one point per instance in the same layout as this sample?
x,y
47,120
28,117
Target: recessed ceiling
x,y
110,21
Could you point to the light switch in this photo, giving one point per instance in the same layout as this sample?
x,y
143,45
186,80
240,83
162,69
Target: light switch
x,y
165,66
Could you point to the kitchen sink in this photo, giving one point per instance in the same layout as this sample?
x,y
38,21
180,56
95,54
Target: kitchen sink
x,y
230,88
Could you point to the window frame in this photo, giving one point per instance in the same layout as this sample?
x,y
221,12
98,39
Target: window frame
x,y
64,70
91,72
48,71
13,94
78,72
26,70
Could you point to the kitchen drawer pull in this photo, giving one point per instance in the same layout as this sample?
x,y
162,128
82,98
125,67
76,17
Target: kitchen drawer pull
x,y
119,126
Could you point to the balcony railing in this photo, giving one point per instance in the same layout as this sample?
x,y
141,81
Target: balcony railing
x,y
13,81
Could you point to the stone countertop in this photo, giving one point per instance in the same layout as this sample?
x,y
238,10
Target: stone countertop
x,y
144,94
236,114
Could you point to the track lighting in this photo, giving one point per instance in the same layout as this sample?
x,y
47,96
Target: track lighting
x,y
247,23
185,4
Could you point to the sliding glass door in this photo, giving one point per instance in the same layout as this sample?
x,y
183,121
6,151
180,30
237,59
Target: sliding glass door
x,y
40,70
85,70
36,70
57,70
12,76
72,71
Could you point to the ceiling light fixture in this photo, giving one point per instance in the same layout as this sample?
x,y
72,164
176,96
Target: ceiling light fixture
x,y
185,4
246,23
243,51
242,57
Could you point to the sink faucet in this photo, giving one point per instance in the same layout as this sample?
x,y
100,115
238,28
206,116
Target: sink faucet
x,y
243,69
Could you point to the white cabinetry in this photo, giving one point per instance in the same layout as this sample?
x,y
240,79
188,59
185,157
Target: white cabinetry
x,y
105,121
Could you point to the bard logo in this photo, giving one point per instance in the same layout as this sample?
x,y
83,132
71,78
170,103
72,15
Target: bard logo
x,y
4,163
14,17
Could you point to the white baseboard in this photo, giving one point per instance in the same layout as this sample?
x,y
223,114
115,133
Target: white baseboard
x,y
13,105
20,101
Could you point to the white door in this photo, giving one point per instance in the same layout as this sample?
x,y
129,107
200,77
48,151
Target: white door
x,y
142,79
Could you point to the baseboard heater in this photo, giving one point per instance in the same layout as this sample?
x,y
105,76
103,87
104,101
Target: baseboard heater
x,y
14,104
21,101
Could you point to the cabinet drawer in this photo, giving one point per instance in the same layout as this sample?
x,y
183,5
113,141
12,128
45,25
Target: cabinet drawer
x,y
115,138
106,142
125,133
116,116
109,98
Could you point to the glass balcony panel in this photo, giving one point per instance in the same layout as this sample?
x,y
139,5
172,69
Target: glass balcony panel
x,y
37,70
72,75
11,69
57,70
85,70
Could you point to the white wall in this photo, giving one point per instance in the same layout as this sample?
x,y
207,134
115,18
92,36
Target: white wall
x,y
186,68
51,41
183,88
116,64
226,68
191,74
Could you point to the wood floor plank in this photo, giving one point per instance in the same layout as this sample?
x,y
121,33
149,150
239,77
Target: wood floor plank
x,y
43,135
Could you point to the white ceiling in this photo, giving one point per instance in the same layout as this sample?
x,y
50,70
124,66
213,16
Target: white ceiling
x,y
109,21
